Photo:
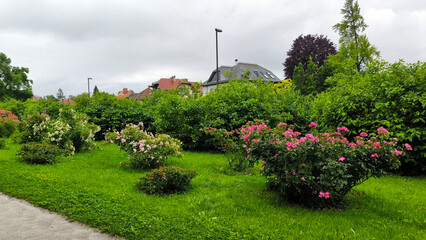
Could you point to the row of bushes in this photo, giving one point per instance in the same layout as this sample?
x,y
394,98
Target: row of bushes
x,y
389,95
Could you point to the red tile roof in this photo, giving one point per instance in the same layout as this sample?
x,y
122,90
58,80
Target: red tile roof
x,y
170,83
125,93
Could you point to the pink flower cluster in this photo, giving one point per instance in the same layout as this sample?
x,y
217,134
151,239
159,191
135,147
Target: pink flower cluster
x,y
382,131
290,145
343,129
324,195
290,133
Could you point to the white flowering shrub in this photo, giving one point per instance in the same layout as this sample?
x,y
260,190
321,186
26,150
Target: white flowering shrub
x,y
71,131
144,149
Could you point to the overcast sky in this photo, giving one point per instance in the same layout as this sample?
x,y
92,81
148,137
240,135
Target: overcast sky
x,y
132,43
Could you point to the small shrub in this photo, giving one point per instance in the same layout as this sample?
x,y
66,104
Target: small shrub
x,y
2,143
144,149
39,153
166,180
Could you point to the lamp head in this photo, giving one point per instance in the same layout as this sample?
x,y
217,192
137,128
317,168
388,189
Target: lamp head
x,y
218,30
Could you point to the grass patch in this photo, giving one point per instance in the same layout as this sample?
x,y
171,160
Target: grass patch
x,y
92,188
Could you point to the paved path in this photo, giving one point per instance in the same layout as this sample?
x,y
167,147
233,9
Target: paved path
x,y
21,220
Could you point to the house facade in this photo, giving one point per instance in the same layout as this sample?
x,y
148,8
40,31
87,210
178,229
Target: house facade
x,y
237,72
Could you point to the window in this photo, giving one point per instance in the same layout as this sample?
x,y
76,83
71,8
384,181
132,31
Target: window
x,y
257,73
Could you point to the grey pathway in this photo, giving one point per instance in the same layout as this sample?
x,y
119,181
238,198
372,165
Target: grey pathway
x,y
21,220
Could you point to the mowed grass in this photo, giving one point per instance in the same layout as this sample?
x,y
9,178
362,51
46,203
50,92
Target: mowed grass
x,y
91,187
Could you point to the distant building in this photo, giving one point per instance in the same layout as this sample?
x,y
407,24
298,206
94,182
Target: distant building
x,y
163,84
67,101
170,83
254,71
125,93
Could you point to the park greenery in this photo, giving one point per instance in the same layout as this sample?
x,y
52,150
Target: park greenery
x,y
310,147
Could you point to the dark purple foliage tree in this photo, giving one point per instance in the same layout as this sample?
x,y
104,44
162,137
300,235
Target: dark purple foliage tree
x,y
304,47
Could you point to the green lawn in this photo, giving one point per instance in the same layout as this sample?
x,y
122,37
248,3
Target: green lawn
x,y
92,188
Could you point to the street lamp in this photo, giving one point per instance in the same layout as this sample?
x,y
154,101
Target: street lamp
x,y
88,85
217,30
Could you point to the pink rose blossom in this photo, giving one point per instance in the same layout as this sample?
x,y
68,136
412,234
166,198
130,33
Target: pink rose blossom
x,y
396,152
341,159
374,155
382,131
282,124
294,174
303,179
313,124
352,144
324,195
408,147
363,134
343,129
164,177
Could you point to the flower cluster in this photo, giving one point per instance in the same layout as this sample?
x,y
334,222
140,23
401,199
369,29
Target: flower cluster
x,y
8,123
71,131
144,149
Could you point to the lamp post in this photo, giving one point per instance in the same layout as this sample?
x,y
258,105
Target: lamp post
x,y
217,30
88,85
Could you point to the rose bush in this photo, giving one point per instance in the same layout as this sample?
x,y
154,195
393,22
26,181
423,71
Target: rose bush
x,y
314,170
166,180
144,149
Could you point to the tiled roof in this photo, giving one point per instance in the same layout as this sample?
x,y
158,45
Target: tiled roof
x,y
170,83
125,93
67,101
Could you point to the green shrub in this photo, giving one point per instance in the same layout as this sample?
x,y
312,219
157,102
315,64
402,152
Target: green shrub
x,y
144,149
39,153
2,143
178,113
389,95
166,180
314,170
70,131
109,112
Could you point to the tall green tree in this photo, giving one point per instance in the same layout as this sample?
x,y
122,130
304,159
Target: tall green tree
x,y
95,90
60,95
14,82
354,43
311,80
